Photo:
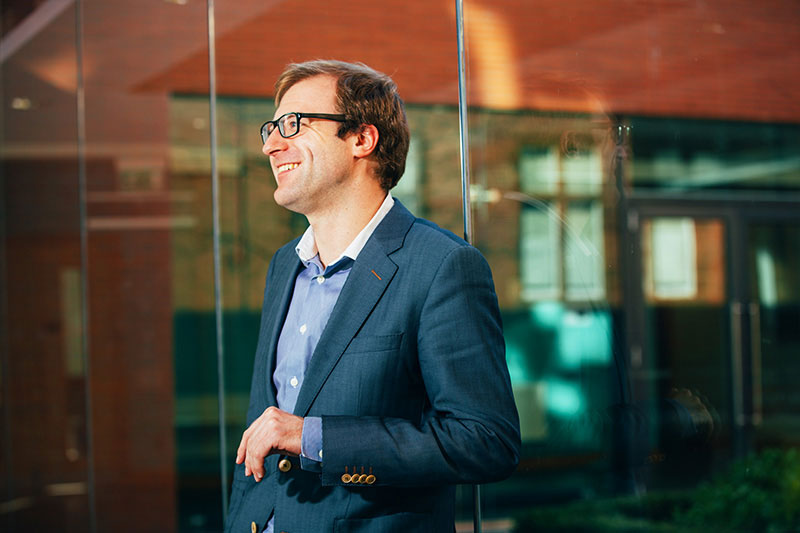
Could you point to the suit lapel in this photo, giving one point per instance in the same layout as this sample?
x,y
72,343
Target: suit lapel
x,y
371,274
285,275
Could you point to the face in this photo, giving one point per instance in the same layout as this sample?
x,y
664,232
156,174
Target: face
x,y
310,167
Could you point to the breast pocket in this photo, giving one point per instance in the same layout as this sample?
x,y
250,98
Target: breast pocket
x,y
375,343
373,376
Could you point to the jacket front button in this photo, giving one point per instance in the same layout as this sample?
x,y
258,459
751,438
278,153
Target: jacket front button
x,y
253,527
284,465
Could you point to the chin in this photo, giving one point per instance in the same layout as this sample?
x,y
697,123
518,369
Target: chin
x,y
287,202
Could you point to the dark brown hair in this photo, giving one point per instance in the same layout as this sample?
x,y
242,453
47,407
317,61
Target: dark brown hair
x,y
364,96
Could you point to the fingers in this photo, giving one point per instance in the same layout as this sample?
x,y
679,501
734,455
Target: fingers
x,y
255,461
240,452
251,455
275,431
255,445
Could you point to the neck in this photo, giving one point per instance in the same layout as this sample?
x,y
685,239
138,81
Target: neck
x,y
336,227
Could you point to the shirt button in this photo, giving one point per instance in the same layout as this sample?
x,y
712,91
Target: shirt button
x,y
320,279
293,382
303,329
320,454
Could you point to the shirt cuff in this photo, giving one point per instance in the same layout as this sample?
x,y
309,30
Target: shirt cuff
x,y
311,444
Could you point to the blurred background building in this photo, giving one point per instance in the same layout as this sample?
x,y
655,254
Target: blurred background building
x,y
635,185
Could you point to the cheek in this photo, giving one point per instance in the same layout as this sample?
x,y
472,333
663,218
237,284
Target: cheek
x,y
338,162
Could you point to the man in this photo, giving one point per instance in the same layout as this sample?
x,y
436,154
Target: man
x,y
380,378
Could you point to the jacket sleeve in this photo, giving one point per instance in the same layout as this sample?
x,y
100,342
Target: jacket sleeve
x,y
469,430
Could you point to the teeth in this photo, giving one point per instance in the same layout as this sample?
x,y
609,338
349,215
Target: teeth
x,y
288,166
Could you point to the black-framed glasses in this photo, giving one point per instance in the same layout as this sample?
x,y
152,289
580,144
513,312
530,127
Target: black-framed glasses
x,y
289,124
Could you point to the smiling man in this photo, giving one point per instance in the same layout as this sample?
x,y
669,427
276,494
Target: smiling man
x,y
380,378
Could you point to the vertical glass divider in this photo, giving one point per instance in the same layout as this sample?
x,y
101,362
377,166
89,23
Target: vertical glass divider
x,y
5,395
212,96
465,181
80,105
462,122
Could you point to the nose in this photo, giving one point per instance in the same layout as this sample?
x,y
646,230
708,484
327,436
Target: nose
x,y
275,143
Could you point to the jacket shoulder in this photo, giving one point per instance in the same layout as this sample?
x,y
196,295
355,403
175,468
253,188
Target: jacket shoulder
x,y
435,240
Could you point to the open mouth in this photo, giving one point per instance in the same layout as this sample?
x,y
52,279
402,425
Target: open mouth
x,y
287,166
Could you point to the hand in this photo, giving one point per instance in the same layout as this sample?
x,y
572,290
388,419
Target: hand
x,y
275,431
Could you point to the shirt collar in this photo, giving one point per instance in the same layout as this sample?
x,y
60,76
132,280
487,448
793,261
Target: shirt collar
x,y
307,247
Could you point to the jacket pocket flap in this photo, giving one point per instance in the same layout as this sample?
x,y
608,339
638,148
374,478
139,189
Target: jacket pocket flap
x,y
375,343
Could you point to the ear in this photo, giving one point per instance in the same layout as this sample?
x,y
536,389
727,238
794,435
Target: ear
x,y
366,140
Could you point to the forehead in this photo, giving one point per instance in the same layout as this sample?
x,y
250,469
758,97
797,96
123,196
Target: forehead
x,y
311,95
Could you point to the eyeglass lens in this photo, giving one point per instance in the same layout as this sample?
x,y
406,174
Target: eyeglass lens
x,y
288,125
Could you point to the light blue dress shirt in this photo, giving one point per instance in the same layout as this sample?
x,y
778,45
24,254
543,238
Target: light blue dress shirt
x,y
316,290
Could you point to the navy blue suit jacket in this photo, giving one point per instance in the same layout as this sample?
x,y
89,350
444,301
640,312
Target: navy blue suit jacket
x,y
410,380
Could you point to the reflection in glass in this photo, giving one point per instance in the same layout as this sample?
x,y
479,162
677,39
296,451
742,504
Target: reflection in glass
x,y
627,337
540,250
775,316
44,441
604,315
585,252
687,362
671,265
696,155
538,170
583,171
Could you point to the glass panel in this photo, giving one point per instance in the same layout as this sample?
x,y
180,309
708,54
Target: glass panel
x,y
194,355
588,122
687,329
555,299
571,125
44,463
253,225
149,253
774,250
713,155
